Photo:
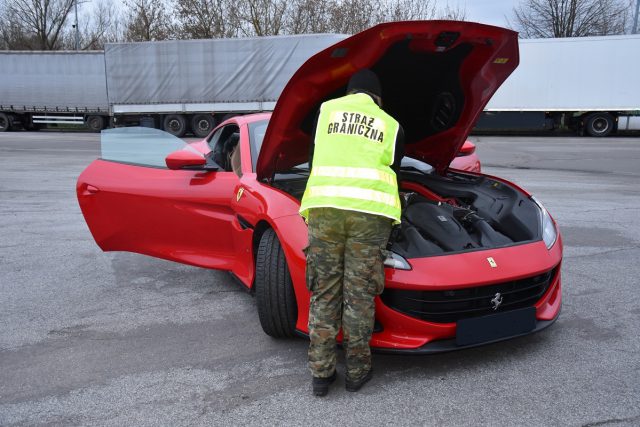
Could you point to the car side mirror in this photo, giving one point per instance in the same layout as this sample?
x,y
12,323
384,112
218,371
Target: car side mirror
x,y
467,149
186,159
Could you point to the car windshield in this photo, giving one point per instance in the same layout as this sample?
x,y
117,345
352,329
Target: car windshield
x,y
138,145
257,131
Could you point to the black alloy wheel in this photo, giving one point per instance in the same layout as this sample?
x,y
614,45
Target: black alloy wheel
x,y
599,124
276,300
202,124
5,122
175,124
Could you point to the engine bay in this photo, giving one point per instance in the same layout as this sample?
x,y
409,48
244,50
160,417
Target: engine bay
x,y
461,212
455,212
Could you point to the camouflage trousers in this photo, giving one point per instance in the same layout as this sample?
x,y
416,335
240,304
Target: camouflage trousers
x,y
345,272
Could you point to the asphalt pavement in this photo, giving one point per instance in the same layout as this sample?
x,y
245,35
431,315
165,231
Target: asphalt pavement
x,y
93,338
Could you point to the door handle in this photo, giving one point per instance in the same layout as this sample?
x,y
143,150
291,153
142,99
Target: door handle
x,y
90,189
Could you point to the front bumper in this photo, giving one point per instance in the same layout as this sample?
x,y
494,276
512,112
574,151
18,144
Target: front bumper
x,y
446,345
402,333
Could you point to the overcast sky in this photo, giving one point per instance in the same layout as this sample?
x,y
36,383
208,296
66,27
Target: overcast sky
x,y
486,11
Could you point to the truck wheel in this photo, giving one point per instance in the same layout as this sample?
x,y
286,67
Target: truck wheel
x,y
95,123
202,124
5,122
175,124
599,124
275,298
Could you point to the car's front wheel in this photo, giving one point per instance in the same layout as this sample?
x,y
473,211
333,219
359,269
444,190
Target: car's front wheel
x,y
275,298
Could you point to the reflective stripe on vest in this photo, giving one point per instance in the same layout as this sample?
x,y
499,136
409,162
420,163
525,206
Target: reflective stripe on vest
x,y
353,193
349,172
354,148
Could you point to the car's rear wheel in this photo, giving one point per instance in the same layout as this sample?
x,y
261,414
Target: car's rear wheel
x,y
275,298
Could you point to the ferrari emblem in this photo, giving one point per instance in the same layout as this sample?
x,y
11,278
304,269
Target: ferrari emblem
x,y
496,301
492,262
240,191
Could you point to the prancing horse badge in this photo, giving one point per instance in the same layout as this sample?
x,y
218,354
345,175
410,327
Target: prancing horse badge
x,y
492,262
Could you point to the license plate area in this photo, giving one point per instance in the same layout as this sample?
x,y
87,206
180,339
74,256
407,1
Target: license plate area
x,y
495,326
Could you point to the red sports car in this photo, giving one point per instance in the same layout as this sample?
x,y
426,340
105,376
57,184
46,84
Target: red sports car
x,y
475,260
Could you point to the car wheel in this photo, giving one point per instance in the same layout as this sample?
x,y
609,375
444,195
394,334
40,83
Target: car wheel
x,y
5,123
202,124
599,124
175,124
95,123
277,308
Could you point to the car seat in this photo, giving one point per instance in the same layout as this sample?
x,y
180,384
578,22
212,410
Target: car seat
x,y
229,145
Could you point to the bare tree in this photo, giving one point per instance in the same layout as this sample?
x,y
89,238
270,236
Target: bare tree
x,y
229,18
457,13
260,17
206,19
309,16
100,25
571,18
408,10
147,20
34,24
352,16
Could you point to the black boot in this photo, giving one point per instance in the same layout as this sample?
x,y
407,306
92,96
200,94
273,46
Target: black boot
x,y
321,385
355,385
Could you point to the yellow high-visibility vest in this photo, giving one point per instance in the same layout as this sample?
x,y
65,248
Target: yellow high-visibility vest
x,y
354,149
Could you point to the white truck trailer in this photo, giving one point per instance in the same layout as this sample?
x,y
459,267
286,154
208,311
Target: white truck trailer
x,y
588,84
179,86
37,88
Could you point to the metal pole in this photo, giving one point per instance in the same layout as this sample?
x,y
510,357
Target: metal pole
x,y
634,30
77,29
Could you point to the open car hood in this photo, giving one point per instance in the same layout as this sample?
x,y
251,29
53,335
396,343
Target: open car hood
x,y
436,78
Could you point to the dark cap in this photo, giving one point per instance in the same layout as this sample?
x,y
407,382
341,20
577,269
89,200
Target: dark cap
x,y
365,80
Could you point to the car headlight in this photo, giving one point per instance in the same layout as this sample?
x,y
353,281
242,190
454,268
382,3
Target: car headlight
x,y
396,261
549,232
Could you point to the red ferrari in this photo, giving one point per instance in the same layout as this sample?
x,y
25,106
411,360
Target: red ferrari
x,y
476,258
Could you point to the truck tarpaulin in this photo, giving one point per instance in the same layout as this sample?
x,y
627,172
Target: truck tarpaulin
x,y
53,80
207,71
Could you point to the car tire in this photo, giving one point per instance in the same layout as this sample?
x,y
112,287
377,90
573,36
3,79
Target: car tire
x,y
202,124
599,124
175,124
5,122
277,308
95,123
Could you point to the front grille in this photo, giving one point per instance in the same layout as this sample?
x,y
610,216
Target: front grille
x,y
453,305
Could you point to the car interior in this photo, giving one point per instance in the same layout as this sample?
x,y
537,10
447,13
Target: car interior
x,y
226,149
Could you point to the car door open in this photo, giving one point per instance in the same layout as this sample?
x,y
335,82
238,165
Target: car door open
x,y
133,202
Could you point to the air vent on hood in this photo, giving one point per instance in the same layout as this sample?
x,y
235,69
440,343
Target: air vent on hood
x,y
444,112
